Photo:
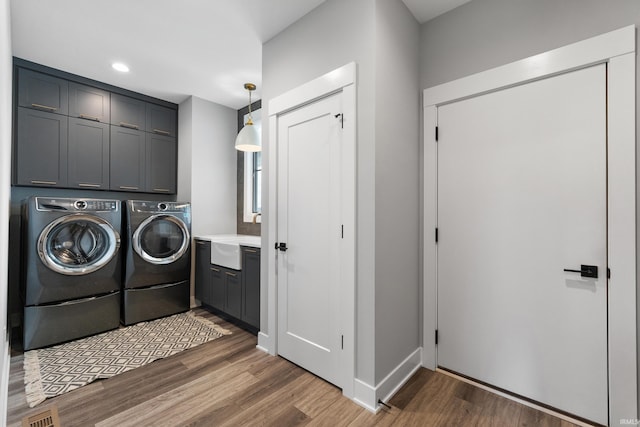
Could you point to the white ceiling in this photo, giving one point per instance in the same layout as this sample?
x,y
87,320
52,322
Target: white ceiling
x,y
424,10
205,48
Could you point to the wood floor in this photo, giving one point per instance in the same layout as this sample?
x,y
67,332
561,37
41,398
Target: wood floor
x,y
228,382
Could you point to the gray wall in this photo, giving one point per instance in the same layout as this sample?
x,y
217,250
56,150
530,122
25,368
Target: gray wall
x,y
397,202
207,168
5,182
484,34
375,34
332,35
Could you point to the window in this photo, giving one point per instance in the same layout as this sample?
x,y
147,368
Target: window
x,y
253,177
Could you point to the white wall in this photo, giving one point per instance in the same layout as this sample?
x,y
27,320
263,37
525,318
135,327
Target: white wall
x,y
382,37
5,187
484,34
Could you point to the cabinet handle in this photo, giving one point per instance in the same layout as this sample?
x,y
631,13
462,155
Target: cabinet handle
x,y
198,242
129,125
230,274
44,182
251,251
89,185
46,107
84,116
162,190
124,187
161,132
214,269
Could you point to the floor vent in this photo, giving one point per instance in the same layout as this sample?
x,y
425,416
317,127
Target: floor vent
x,y
47,418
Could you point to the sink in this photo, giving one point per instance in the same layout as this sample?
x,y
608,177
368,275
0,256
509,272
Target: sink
x,y
226,254
225,248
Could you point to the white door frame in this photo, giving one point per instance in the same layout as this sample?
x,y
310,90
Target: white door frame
x,y
617,50
342,79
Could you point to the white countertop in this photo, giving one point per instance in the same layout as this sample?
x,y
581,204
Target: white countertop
x,y
240,239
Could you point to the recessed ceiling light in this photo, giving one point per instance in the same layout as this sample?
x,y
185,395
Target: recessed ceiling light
x,y
119,66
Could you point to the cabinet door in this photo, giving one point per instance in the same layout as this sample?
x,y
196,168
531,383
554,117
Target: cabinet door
x,y
161,164
234,293
127,112
89,103
161,120
218,288
251,286
43,92
127,159
88,159
41,148
203,260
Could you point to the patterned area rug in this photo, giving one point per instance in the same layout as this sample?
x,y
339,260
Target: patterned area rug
x,y
52,371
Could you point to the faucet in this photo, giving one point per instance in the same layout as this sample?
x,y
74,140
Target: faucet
x,y
255,216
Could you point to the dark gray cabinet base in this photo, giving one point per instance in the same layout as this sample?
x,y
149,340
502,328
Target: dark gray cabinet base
x,y
232,294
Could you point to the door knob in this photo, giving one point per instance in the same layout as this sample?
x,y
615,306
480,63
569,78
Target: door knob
x,y
282,247
586,271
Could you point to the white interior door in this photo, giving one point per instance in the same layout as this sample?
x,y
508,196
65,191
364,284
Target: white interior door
x,y
309,225
522,197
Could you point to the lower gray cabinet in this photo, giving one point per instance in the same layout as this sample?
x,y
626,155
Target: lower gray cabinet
x,y
41,148
88,156
251,286
127,159
202,285
232,292
226,290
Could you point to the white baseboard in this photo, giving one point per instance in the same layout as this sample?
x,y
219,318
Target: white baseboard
x,y
5,358
265,344
367,396
194,302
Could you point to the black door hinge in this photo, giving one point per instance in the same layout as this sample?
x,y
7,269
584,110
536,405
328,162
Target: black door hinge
x,y
436,133
436,337
436,234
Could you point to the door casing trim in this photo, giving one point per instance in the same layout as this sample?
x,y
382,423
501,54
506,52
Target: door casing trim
x,y
341,79
617,50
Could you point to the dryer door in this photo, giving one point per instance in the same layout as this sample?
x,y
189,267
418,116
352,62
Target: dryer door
x,y
78,244
161,239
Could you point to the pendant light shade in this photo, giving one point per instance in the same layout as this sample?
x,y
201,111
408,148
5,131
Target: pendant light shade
x,y
249,139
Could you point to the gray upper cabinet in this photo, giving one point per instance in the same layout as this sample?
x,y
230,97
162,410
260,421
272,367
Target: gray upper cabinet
x,y
88,154
161,164
127,159
73,132
43,92
89,103
128,112
161,120
41,148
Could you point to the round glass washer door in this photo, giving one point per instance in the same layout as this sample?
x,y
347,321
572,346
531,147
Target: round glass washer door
x,y
161,239
78,244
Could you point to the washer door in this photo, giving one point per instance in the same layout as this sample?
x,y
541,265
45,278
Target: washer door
x,y
161,239
78,244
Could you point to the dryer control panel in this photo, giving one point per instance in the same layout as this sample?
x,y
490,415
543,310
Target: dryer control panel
x,y
77,205
157,207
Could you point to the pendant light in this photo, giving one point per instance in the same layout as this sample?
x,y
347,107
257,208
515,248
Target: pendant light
x,y
248,139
